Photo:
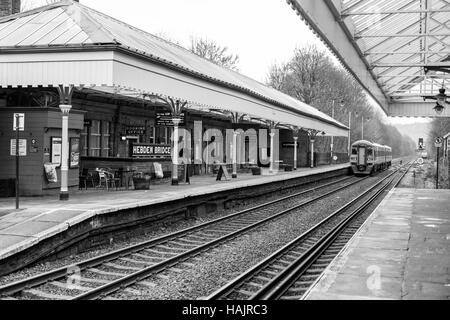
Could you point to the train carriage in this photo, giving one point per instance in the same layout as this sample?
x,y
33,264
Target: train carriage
x,y
368,157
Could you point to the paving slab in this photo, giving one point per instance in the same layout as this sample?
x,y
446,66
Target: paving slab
x,y
401,252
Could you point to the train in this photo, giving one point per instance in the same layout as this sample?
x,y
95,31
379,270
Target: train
x,y
368,157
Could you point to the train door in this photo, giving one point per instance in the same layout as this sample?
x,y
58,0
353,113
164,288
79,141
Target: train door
x,y
362,156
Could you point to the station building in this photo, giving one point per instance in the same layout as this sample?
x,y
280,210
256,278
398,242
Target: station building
x,y
124,87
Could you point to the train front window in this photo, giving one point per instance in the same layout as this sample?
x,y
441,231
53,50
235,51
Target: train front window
x,y
354,151
369,153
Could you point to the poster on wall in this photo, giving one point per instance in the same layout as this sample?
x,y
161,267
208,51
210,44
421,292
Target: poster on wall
x,y
74,153
56,145
22,147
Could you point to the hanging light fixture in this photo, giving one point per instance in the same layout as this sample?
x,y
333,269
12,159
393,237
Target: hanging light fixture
x,y
441,100
438,108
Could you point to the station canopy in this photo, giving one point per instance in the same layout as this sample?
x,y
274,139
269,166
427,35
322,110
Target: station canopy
x,y
398,50
67,43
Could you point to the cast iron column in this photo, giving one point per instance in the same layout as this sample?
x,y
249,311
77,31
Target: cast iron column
x,y
295,152
176,122
65,98
234,174
271,134
64,193
295,131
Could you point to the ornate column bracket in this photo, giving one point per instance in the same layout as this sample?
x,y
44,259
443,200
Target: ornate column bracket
x,y
236,117
176,107
65,94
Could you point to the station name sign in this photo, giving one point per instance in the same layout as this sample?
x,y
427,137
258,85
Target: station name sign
x,y
149,150
164,119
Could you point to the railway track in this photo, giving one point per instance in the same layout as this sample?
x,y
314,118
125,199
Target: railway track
x,y
103,275
290,271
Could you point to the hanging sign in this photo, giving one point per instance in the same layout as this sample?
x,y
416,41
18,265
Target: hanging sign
x,y
289,144
164,119
22,147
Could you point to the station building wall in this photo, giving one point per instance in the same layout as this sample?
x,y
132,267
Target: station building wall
x,y
40,125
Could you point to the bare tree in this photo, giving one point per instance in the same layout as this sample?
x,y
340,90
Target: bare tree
x,y
215,53
310,76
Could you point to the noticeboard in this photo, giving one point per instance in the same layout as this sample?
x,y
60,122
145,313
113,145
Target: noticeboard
x,y
164,119
74,153
22,147
55,151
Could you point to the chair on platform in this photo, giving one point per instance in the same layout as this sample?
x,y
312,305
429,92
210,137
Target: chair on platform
x,y
106,179
118,177
84,178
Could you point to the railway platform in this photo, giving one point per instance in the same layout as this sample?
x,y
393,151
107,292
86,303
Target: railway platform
x,y
401,252
45,223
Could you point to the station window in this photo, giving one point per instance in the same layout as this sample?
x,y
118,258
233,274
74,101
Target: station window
x,y
95,139
162,135
152,135
106,139
84,141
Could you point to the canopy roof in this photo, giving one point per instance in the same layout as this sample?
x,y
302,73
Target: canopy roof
x,y
398,50
68,26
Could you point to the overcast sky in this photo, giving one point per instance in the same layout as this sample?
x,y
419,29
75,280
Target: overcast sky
x,y
261,32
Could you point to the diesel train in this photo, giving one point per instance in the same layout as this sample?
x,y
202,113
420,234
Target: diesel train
x,y
368,157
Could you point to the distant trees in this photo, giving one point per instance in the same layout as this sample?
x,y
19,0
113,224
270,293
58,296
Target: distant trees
x,y
311,77
214,52
439,128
